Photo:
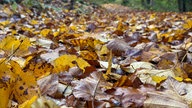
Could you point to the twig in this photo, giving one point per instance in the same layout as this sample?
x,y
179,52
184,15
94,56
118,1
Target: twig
x,y
10,56
94,91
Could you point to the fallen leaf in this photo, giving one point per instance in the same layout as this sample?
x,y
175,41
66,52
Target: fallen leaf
x,y
48,85
64,62
26,86
12,45
150,76
28,103
6,84
130,97
38,67
164,99
183,90
88,55
45,32
42,102
118,47
91,87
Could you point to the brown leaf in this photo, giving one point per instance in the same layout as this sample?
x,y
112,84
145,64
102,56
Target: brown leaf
x,y
130,97
180,89
67,77
117,46
91,87
175,86
48,85
164,100
128,81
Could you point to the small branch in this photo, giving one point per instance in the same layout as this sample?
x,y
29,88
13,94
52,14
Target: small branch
x,y
94,91
10,56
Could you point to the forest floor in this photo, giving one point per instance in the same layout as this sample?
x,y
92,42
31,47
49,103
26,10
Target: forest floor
x,y
94,57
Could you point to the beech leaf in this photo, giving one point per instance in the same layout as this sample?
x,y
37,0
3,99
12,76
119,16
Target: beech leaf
x,y
90,87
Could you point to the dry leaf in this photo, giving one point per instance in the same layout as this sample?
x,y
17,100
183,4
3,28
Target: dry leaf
x,y
64,62
12,45
181,89
164,99
130,97
38,67
26,87
48,85
91,87
118,47
44,103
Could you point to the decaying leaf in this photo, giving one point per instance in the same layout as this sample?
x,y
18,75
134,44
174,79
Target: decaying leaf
x,y
42,102
45,32
48,85
91,87
118,47
38,67
26,85
139,65
88,43
149,76
164,99
130,97
93,57
6,84
181,89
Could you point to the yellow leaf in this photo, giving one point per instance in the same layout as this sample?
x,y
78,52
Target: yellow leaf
x,y
63,29
5,93
26,29
65,62
26,87
88,55
4,23
73,27
7,10
28,103
109,65
39,69
188,80
34,22
188,24
55,34
158,79
103,52
45,32
120,26
10,45
7,79
179,79
152,16
13,32
88,43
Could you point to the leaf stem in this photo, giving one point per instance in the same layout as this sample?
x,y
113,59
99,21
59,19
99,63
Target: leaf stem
x,y
10,56
94,92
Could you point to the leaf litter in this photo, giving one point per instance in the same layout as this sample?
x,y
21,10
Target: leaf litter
x,y
97,58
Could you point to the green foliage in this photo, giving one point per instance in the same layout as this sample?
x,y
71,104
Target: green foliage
x,y
31,3
158,5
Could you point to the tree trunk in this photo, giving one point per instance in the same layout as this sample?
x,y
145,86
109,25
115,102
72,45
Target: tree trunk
x,y
147,3
72,2
182,5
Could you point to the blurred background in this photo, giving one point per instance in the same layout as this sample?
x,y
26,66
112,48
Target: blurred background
x,y
154,5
